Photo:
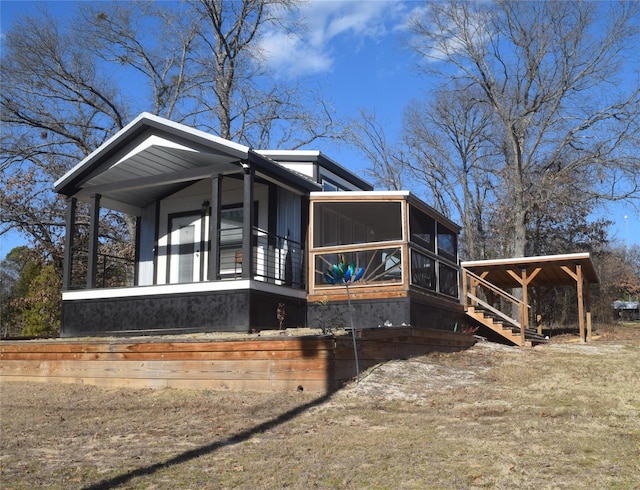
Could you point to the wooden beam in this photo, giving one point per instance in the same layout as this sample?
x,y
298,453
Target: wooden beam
x,y
588,299
570,272
524,311
539,309
580,283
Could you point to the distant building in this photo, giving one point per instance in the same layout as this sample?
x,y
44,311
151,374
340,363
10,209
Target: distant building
x,y
626,310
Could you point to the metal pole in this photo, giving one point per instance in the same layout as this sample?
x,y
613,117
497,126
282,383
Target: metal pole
x,y
353,334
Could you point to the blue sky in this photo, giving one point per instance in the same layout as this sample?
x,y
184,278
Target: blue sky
x,y
355,50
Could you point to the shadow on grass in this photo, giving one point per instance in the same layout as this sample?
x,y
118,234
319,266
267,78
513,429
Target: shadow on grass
x,y
209,448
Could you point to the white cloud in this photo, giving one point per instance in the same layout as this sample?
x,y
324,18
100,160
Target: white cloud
x,y
288,54
329,26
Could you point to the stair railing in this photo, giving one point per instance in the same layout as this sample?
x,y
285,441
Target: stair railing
x,y
472,282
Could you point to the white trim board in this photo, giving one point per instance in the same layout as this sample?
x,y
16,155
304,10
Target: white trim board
x,y
196,287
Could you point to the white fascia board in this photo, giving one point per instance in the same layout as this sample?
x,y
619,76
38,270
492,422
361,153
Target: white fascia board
x,y
167,289
518,260
290,155
367,194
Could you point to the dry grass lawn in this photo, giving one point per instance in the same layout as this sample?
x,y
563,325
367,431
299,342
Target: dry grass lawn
x,y
560,416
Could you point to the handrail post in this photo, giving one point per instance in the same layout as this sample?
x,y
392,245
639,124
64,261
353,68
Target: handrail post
x,y
523,312
465,300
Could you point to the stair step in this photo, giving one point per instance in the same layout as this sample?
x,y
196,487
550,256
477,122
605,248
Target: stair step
x,y
509,331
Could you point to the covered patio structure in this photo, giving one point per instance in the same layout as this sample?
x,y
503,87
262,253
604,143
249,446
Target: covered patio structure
x,y
535,276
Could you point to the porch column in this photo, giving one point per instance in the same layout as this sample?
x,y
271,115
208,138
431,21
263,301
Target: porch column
x,y
213,271
247,222
579,278
70,227
580,285
588,300
136,256
525,306
539,309
94,225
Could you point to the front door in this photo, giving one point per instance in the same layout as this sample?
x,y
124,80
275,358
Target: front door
x,y
185,244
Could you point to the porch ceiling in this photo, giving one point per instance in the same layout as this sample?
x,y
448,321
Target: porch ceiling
x,y
155,171
552,270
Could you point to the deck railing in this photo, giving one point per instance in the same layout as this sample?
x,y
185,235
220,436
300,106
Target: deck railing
x,y
112,271
276,259
392,263
382,265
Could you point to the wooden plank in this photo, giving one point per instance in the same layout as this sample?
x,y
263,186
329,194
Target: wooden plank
x,y
294,343
168,356
337,293
311,386
383,333
103,382
292,369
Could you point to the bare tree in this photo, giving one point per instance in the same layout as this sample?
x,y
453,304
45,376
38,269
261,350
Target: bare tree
x,y
451,155
238,98
67,87
546,72
119,36
386,160
56,108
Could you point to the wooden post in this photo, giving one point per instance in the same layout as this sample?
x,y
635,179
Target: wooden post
x,y
70,224
524,279
525,303
539,309
94,227
588,298
580,286
464,287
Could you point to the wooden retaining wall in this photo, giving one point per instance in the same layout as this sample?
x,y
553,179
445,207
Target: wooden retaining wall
x,y
314,363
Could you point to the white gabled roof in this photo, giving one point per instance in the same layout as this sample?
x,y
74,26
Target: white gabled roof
x,y
146,121
152,157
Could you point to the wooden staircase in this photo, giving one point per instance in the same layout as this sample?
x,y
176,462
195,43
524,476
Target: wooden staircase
x,y
488,305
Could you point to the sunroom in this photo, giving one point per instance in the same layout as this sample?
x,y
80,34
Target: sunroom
x,y
407,251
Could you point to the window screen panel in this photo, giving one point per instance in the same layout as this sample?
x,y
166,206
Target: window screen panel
x,y
345,223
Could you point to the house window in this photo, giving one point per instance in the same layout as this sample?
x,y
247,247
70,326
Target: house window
x,y
423,229
345,223
448,280
328,186
447,243
382,265
423,271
